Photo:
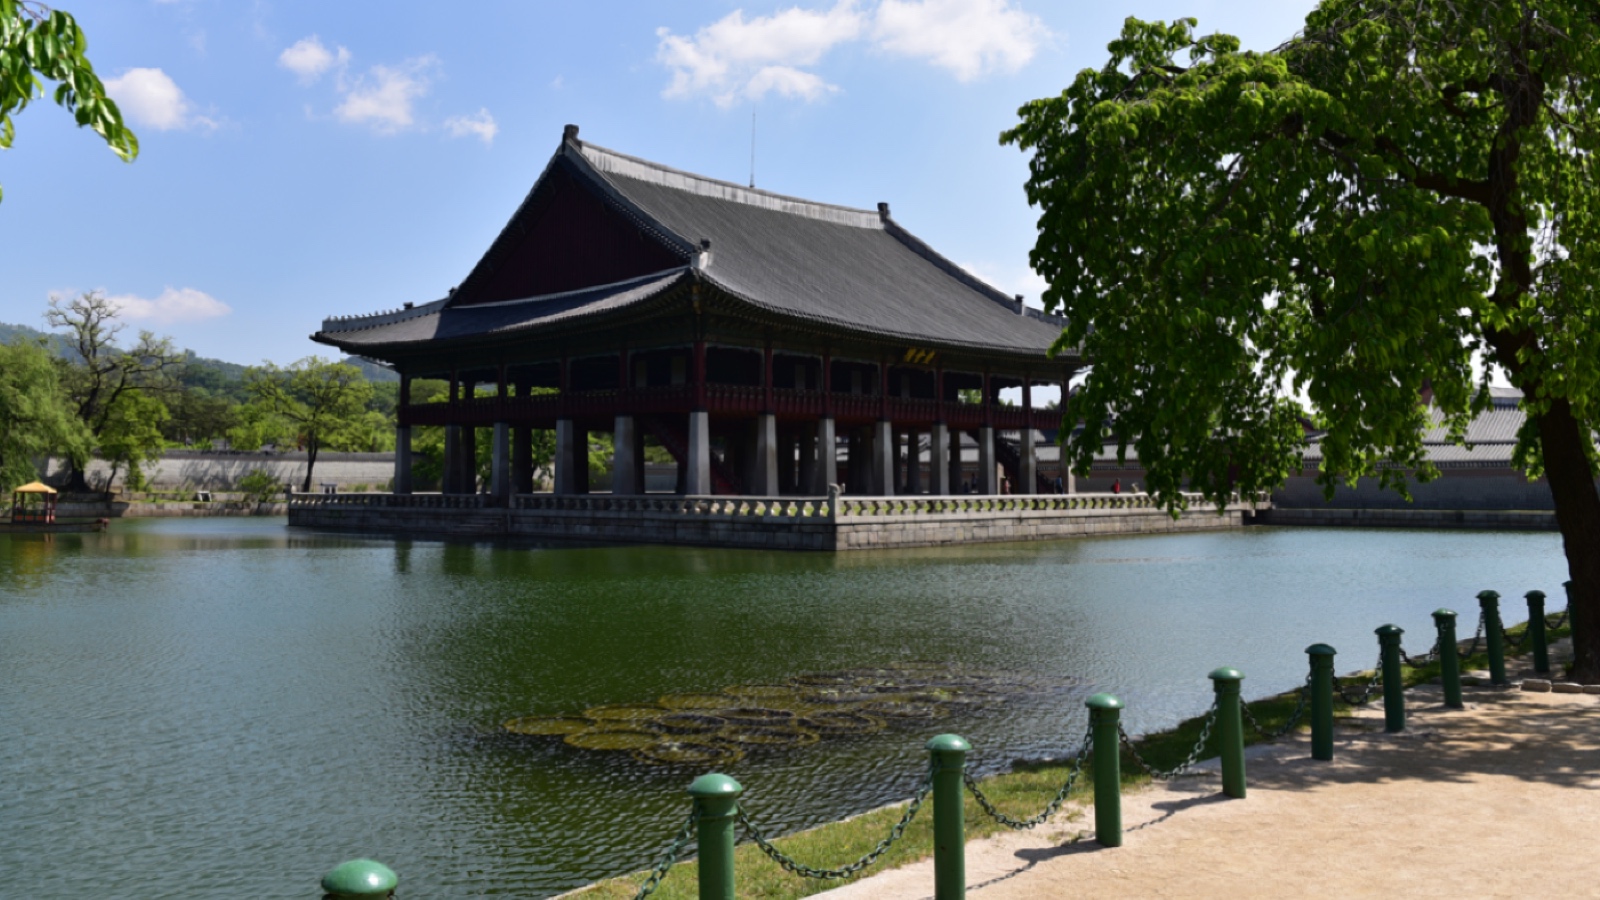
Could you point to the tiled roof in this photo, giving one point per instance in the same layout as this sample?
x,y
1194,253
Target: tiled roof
x,y
442,322
849,268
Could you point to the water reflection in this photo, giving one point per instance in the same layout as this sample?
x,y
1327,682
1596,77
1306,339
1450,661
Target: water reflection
x,y
179,692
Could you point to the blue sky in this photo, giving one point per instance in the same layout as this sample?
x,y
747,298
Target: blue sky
x,y
305,159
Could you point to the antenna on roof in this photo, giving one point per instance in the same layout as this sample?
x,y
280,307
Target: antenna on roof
x,y
752,149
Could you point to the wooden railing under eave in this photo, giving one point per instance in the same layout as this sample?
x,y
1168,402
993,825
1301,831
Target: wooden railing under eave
x,y
722,399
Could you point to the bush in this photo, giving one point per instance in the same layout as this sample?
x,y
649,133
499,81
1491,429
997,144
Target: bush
x,y
259,486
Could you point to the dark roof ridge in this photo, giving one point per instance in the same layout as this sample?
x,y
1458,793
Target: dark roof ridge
x,y
608,161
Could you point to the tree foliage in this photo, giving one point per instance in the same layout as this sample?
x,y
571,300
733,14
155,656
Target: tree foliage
x,y
35,417
106,377
321,399
39,44
1352,215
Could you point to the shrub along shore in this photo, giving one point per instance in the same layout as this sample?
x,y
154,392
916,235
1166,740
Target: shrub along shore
x,y
1019,793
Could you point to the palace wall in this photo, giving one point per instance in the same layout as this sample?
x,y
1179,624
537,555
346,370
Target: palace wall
x,y
221,470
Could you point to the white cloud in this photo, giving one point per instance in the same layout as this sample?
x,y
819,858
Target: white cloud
x,y
968,37
173,305
308,58
150,98
734,58
384,96
480,125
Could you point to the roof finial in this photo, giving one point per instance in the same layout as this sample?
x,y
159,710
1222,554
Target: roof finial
x,y
570,134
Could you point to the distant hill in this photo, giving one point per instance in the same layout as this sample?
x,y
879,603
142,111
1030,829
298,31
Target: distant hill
x,y
57,344
218,374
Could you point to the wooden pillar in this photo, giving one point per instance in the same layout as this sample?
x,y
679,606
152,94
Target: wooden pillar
x,y
913,462
939,460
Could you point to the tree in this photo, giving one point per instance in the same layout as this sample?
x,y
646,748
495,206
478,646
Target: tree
x,y
36,421
1354,215
38,44
132,437
104,375
319,398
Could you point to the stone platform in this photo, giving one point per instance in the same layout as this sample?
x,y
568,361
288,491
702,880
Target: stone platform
x,y
778,523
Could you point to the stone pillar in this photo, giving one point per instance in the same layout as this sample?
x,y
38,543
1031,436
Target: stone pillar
x,y
939,460
958,469
826,469
1029,466
988,482
451,476
567,457
765,465
913,462
402,459
698,480
500,472
522,459
883,459
627,467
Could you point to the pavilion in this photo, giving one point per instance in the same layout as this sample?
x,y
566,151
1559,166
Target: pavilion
x,y
752,334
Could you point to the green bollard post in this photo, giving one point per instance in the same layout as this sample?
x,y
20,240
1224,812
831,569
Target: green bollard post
x,y
1230,729
717,798
360,879
1449,657
949,760
1321,700
1394,690
1494,635
1105,711
1541,642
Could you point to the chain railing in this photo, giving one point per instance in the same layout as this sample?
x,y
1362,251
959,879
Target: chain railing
x,y
1050,809
1367,690
669,857
1182,768
1302,703
795,867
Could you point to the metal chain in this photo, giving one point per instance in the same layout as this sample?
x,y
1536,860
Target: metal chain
x,y
1294,717
1049,809
1476,638
1561,619
794,866
1183,767
670,857
1366,689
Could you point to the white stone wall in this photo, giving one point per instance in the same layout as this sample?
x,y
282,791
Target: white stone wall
x,y
221,471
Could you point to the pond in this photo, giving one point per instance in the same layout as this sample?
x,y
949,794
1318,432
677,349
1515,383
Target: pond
x,y
202,707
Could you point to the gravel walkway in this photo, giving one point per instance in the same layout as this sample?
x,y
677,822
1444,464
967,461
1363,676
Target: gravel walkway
x,y
1497,800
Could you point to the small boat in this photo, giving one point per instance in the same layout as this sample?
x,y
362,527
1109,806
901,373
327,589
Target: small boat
x,y
33,511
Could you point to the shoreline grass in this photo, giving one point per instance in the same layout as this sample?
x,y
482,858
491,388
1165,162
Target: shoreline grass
x,y
1021,792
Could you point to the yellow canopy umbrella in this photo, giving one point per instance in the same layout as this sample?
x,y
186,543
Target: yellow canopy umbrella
x,y
36,487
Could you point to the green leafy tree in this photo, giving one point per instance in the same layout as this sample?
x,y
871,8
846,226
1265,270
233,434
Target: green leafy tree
x,y
36,419
39,44
317,397
1357,213
104,376
132,437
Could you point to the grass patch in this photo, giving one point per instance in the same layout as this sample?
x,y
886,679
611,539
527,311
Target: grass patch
x,y
1020,793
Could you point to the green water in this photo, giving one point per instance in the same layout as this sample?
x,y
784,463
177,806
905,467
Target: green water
x,y
202,708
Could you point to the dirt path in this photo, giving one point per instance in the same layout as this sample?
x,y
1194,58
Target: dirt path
x,y
1497,800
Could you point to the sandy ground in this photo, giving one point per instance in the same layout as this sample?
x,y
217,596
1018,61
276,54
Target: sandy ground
x,y
1497,800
